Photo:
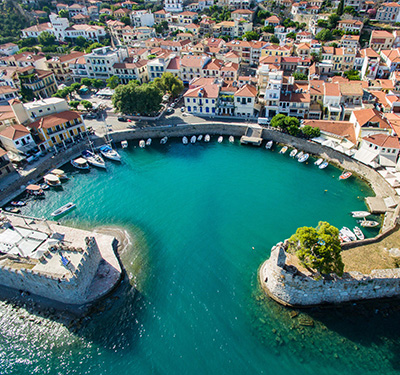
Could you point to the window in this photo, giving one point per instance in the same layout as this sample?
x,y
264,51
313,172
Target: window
x,y
17,142
248,100
238,100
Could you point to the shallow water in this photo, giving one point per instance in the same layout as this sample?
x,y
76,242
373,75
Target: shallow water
x,y
202,219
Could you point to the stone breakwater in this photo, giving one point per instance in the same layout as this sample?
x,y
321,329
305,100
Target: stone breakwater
x,y
288,286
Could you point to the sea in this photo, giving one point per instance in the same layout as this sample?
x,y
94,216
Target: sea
x,y
201,219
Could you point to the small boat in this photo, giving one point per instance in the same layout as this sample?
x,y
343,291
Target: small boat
x,y
368,223
14,210
44,186
64,209
318,162
35,190
200,137
220,139
18,203
148,142
207,138
94,159
303,158
358,232
293,153
323,165
108,152
142,143
163,140
349,233
269,144
343,237
360,214
299,155
193,139
231,139
60,174
124,144
52,180
345,175
80,163
283,150
185,140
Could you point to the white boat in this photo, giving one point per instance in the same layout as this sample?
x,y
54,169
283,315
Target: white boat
x,y
108,152
323,165
283,149
94,159
80,163
62,210
360,214
164,140
207,138
35,191
142,143
358,232
193,139
124,144
293,153
343,237
185,140
52,180
18,203
220,139
148,142
299,155
349,233
368,223
44,186
269,144
231,139
318,162
60,174
200,137
303,158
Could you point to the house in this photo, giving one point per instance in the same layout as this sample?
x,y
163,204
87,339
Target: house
x,y
273,20
7,93
8,49
331,101
192,67
42,83
75,9
369,121
6,166
243,14
350,41
173,6
131,69
59,65
245,100
350,26
17,138
202,100
388,12
381,39
379,150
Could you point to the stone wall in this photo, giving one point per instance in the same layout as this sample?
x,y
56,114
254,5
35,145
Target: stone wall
x,y
289,287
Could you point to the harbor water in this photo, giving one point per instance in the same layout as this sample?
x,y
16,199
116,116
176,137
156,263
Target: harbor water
x,y
201,219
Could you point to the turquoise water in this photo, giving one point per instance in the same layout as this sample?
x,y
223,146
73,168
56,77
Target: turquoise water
x,y
202,219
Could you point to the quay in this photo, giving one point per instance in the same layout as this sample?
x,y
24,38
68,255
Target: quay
x,y
253,136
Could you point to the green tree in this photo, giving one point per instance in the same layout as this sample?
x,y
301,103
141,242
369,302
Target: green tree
x,y
97,83
268,29
86,104
81,41
46,39
333,19
46,9
324,35
126,20
300,76
169,83
291,35
310,132
93,46
318,249
112,82
274,40
339,11
323,23
251,35
63,93
75,86
87,82
63,13
74,104
285,123
352,75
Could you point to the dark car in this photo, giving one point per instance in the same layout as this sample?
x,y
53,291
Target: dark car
x,y
121,118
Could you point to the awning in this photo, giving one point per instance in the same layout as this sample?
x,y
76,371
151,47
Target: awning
x,y
80,161
386,162
367,157
57,171
33,187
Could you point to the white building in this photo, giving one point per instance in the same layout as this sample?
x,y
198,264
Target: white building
x,y
270,86
101,60
202,100
17,138
173,6
245,100
381,148
8,49
142,18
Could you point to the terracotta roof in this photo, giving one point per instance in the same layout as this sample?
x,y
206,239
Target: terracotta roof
x,y
2,152
55,119
352,88
63,58
247,91
242,11
369,52
193,61
7,89
200,81
381,34
341,128
14,132
205,91
174,64
316,87
363,116
383,140
331,89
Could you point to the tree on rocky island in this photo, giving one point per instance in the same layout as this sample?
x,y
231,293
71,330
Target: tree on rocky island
x,y
318,249
169,83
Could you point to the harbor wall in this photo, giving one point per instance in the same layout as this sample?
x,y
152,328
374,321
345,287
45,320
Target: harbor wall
x,y
288,286
69,290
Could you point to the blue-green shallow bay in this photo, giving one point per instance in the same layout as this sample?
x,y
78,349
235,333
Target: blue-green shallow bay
x,y
196,212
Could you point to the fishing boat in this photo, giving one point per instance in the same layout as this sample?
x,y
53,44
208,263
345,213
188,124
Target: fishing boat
x,y
52,180
185,140
299,155
368,223
148,142
283,150
80,163
142,143
231,139
18,203
60,174
358,232
293,153
207,138
323,165
108,152
269,144
220,139
360,214
164,140
64,209
200,137
193,139
303,158
124,144
346,231
345,175
318,162
94,159
35,191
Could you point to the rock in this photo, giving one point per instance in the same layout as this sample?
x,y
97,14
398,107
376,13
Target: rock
x,y
293,314
394,252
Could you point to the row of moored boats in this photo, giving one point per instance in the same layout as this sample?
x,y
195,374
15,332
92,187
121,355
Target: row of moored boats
x,y
96,159
185,140
347,235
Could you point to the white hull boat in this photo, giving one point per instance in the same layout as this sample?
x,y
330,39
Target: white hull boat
x,y
349,233
60,174
80,163
164,140
124,144
52,180
148,142
109,153
358,232
207,138
323,165
94,159
299,155
64,209
283,150
193,139
303,158
200,137
231,139
269,144
142,143
343,237
368,223
360,214
293,153
185,140
220,139
319,162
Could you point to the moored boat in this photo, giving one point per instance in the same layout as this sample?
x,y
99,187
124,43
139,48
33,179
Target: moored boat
x,y
349,233
345,175
358,232
299,155
220,139
108,152
64,209
293,153
60,174
200,137
148,142
323,165
207,138
164,140
343,237
360,214
35,190
231,139
318,162
14,210
94,159
124,144
18,203
142,143
268,145
193,139
303,158
80,163
52,180
368,223
44,186
185,140
283,149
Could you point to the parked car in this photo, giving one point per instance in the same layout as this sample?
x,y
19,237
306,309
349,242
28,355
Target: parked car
x,y
90,116
170,110
172,105
122,118
182,109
